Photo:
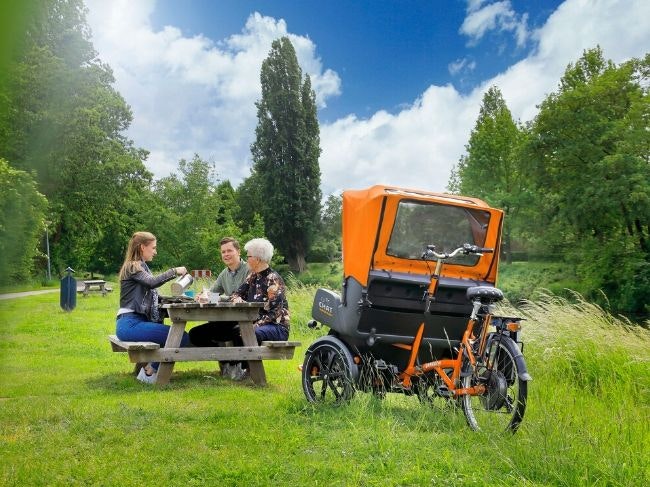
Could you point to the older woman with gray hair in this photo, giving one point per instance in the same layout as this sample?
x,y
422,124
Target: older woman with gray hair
x,y
265,285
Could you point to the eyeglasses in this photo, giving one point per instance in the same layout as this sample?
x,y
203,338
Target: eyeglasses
x,y
252,257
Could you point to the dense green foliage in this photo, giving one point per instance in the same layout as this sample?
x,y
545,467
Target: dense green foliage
x,y
327,240
22,210
285,154
73,414
576,181
490,169
191,214
64,121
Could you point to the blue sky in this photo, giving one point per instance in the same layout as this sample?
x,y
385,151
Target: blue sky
x,y
398,83
386,52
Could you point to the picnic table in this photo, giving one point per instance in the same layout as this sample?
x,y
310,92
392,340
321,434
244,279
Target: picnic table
x,y
183,312
98,285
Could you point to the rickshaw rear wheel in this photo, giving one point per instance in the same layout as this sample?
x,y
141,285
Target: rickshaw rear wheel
x,y
502,406
328,372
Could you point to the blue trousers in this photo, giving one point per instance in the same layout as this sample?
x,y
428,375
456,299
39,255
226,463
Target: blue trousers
x,y
135,327
271,333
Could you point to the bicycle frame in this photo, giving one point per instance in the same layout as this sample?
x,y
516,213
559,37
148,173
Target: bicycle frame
x,y
455,364
439,366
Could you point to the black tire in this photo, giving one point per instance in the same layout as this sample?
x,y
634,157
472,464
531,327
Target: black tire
x,y
328,372
503,405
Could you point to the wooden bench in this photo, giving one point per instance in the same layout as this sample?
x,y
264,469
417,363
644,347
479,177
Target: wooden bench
x,y
142,353
119,346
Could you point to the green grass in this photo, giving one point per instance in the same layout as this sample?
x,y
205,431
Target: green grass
x,y
520,280
72,414
321,274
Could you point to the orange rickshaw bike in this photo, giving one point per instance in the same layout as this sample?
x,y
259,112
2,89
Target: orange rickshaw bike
x,y
416,310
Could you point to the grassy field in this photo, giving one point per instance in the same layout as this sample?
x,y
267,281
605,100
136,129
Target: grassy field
x,y
71,413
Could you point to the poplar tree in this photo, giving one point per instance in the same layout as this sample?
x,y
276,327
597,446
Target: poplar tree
x,y
285,154
490,169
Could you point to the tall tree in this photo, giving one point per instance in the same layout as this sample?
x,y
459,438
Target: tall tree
x,y
64,121
490,169
588,160
285,154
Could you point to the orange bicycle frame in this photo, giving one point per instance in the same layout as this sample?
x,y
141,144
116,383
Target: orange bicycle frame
x,y
439,366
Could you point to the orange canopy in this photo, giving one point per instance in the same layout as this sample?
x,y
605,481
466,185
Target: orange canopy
x,y
368,217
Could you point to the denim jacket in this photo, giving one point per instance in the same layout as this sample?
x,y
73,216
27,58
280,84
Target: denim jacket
x,y
136,290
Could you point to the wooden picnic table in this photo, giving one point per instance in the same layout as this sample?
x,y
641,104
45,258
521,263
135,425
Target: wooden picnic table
x,y
98,285
182,313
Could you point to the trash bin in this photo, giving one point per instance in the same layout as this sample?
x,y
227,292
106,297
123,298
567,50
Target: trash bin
x,y
68,291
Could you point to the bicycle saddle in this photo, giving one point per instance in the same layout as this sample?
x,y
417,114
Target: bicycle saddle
x,y
484,293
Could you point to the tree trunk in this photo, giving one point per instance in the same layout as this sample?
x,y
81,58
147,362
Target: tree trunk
x,y
297,262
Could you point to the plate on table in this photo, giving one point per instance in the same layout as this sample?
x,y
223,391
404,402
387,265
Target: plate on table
x,y
175,299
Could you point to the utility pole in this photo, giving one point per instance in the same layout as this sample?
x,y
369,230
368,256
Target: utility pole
x,y
47,247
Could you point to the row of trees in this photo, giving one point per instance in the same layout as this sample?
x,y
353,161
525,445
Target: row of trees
x,y
575,181
66,166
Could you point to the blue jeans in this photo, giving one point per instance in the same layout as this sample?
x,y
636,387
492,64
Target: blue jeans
x,y
273,333
135,327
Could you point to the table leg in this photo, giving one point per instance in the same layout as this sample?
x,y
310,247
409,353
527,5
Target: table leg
x,y
255,367
174,338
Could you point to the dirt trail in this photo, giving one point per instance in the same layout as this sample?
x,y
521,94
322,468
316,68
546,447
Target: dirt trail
x,y
26,293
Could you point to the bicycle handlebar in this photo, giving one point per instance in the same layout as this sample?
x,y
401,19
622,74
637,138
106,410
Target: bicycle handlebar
x,y
466,249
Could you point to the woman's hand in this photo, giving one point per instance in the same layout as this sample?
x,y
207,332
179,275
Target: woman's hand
x,y
236,299
180,271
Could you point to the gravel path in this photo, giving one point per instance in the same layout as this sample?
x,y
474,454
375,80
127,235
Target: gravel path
x,y
27,293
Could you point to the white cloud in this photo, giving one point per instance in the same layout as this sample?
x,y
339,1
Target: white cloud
x,y
408,149
192,94
188,94
495,16
419,146
460,66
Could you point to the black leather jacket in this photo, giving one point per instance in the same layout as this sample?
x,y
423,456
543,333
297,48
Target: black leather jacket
x,y
135,291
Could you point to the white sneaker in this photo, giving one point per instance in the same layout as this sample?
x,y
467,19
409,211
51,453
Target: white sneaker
x,y
147,379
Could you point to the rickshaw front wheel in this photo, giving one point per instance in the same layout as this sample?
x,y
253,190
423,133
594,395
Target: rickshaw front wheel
x,y
328,372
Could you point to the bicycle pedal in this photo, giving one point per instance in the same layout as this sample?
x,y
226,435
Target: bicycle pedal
x,y
380,365
444,392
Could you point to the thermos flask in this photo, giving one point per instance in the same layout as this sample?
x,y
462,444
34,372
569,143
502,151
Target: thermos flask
x,y
181,284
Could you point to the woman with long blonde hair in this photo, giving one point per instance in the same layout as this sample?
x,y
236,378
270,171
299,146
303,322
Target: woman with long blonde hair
x,y
138,319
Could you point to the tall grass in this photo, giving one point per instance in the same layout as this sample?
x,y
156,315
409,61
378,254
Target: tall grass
x,y
72,414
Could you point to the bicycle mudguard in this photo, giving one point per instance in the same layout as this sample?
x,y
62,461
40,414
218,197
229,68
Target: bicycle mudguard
x,y
512,347
345,350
